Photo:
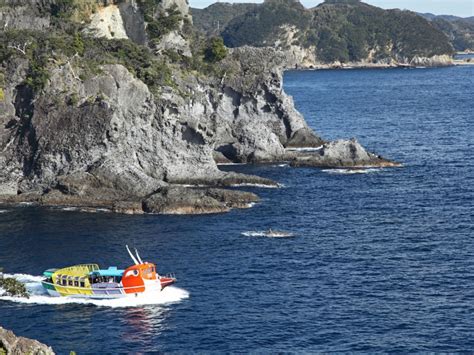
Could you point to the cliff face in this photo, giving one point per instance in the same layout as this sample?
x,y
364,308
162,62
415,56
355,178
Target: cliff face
x,y
112,123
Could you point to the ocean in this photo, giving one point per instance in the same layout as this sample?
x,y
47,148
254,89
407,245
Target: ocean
x,y
381,259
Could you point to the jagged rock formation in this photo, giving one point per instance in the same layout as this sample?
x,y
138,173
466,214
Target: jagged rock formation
x,y
130,128
12,344
336,33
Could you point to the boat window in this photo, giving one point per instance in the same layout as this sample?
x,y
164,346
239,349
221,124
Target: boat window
x,y
76,282
64,281
69,281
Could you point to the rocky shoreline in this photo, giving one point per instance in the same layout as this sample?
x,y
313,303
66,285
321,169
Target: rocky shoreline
x,y
12,344
84,192
107,140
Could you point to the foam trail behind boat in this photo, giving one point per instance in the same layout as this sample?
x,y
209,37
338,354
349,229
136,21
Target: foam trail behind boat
x,y
39,296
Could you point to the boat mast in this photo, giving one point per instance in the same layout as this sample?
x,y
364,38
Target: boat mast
x,y
131,255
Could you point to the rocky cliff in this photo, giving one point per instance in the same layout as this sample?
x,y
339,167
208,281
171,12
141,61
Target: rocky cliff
x,y
12,344
133,116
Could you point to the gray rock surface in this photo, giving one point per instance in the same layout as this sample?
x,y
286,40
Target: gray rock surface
x,y
107,141
179,200
341,153
24,14
15,345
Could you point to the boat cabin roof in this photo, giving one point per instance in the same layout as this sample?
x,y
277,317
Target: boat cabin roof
x,y
49,272
111,271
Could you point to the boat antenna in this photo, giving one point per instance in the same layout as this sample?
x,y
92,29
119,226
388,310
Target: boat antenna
x,y
138,256
131,255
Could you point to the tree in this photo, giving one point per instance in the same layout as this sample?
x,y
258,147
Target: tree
x,y
216,50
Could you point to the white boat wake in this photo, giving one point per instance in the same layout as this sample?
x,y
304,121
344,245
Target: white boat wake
x,y
268,234
351,171
39,296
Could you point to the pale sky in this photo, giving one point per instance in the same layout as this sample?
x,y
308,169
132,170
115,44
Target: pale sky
x,y
463,8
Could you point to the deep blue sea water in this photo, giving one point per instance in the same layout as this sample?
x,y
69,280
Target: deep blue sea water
x,y
382,260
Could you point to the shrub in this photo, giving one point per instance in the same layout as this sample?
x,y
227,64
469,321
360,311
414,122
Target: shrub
x,y
216,50
38,76
161,23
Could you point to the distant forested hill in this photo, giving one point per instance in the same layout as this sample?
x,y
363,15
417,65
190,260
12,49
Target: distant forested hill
x,y
337,30
459,30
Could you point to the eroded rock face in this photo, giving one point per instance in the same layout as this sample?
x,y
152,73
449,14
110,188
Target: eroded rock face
x,y
12,344
107,141
258,120
25,14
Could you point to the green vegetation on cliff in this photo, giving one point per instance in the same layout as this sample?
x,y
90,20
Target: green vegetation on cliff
x,y
213,19
216,50
87,54
260,27
338,30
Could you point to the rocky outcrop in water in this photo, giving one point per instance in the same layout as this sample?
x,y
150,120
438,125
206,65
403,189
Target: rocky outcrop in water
x,y
12,344
341,153
75,131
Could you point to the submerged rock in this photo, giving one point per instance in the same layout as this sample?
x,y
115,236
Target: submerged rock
x,y
12,344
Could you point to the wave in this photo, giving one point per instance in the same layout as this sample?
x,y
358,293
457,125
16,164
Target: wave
x,y
308,149
268,234
249,184
231,164
352,171
38,295
4,211
70,209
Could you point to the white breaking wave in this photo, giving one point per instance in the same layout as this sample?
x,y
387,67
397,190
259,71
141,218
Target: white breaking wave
x,y
351,171
38,295
4,211
231,164
256,185
310,149
268,234
68,209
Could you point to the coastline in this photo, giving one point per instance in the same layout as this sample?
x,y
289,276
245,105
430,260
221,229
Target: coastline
x,y
366,65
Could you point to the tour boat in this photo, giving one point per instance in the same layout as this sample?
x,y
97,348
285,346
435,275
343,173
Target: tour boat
x,y
89,281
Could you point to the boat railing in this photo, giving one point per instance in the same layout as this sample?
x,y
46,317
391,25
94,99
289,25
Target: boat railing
x,y
92,288
171,275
